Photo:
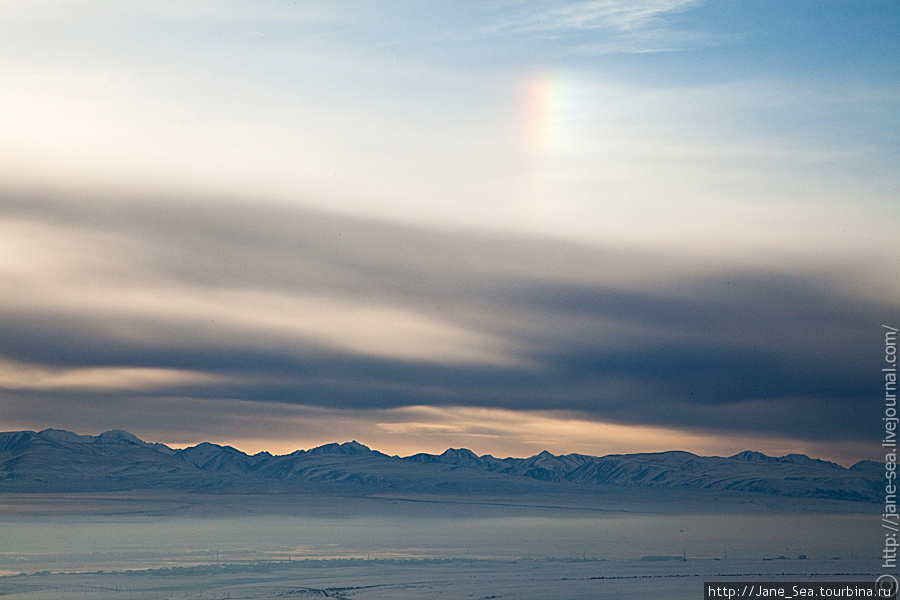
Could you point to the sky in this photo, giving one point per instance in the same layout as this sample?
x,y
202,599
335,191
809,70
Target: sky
x,y
584,226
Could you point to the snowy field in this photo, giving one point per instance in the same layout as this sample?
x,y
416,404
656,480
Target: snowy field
x,y
215,547
426,580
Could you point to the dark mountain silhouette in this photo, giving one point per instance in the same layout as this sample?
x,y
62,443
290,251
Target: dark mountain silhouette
x,y
61,461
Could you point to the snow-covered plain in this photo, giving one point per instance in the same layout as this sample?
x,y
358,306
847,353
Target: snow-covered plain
x,y
432,580
181,545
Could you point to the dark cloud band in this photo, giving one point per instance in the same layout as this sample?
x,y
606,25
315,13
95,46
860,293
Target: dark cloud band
x,y
624,336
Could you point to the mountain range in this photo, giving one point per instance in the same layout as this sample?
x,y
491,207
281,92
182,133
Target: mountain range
x,y
60,461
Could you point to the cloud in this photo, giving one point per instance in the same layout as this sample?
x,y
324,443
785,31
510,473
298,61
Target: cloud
x,y
248,303
630,27
602,14
355,111
18,377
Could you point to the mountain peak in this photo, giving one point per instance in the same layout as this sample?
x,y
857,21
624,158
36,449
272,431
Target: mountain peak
x,y
751,456
353,447
119,435
65,436
459,453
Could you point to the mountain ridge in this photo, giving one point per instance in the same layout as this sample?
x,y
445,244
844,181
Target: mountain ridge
x,y
55,460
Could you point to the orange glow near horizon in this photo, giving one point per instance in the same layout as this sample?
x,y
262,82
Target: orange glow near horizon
x,y
281,429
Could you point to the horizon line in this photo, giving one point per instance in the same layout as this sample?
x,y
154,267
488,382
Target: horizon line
x,y
342,444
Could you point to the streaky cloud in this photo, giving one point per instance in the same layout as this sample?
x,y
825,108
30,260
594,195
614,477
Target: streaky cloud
x,y
265,304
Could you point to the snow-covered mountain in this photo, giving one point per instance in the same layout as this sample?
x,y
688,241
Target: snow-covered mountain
x,y
61,461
